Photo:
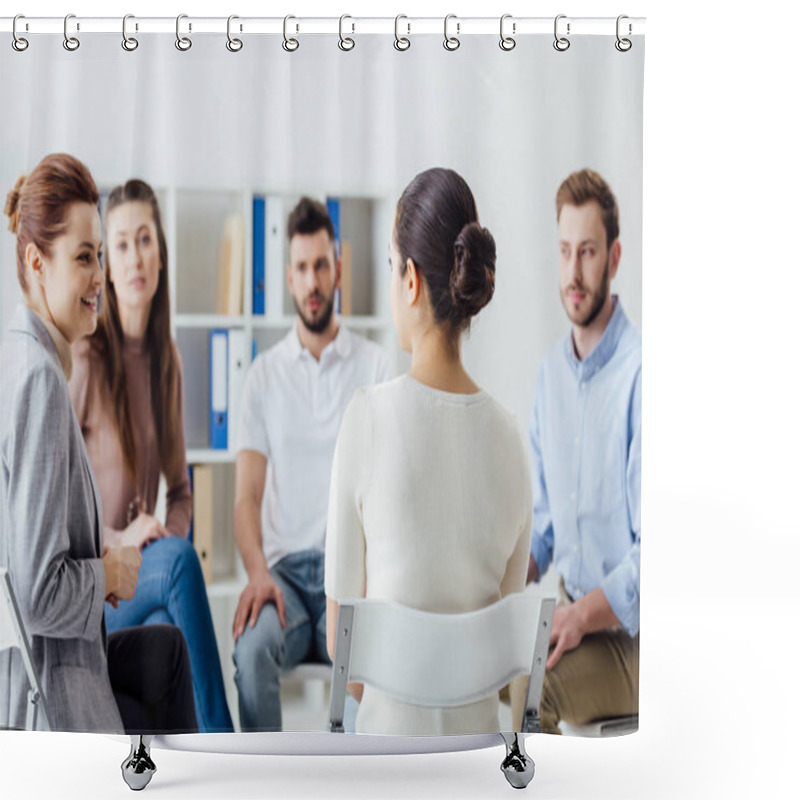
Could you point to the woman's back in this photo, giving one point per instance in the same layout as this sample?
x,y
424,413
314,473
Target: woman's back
x,y
440,519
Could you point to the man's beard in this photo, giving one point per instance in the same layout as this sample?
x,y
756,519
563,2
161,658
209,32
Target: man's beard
x,y
599,299
322,321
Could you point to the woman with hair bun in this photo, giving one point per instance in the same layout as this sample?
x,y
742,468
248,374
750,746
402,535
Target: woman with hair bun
x,y
51,536
431,499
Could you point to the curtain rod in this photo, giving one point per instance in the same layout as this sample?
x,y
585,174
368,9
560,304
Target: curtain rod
x,y
349,25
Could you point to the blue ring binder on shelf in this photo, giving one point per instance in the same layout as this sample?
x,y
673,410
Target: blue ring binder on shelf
x,y
218,384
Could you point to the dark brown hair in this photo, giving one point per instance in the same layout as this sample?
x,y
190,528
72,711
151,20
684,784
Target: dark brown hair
x,y
584,186
38,204
309,216
437,228
164,370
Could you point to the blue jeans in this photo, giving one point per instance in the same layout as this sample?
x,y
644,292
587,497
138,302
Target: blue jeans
x,y
171,591
263,651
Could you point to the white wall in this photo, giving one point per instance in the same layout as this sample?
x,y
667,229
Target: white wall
x,y
513,124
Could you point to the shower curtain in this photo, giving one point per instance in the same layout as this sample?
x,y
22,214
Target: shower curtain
x,y
547,134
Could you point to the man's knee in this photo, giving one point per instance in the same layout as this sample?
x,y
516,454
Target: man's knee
x,y
260,648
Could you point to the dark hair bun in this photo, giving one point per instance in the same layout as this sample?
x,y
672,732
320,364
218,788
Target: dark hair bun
x,y
12,204
472,278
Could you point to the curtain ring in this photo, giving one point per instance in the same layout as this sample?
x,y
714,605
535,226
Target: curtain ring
x,y
128,42
71,43
561,43
234,45
345,42
401,42
183,43
507,42
623,45
289,45
451,42
18,42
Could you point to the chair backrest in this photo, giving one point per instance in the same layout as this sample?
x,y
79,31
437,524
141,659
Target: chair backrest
x,y
12,634
441,660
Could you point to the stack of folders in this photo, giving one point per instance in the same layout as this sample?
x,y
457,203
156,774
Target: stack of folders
x,y
230,355
230,284
202,529
269,255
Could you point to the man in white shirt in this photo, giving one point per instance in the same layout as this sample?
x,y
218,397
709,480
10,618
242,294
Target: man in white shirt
x,y
294,398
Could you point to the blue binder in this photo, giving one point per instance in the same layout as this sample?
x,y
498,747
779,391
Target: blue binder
x,y
218,385
333,212
259,254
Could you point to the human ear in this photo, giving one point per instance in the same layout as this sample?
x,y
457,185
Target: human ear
x,y
413,282
35,261
613,258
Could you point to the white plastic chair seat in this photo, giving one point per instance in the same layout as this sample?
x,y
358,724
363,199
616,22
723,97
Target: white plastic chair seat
x,y
602,728
441,660
307,671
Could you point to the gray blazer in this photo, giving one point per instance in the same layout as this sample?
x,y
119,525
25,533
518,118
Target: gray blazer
x,y
50,539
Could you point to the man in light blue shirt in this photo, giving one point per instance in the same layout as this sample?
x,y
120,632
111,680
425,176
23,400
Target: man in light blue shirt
x,y
585,435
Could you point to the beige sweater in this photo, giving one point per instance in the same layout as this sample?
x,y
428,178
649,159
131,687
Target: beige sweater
x,y
91,396
431,507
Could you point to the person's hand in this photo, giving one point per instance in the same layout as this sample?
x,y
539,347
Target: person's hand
x,y
258,591
143,530
567,633
121,565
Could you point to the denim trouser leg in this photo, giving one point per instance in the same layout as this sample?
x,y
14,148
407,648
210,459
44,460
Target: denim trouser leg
x,y
171,590
264,651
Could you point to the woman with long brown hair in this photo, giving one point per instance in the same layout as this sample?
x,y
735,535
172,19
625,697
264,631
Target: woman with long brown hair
x,y
128,394
51,537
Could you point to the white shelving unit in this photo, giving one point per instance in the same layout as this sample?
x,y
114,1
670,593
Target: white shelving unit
x,y
193,221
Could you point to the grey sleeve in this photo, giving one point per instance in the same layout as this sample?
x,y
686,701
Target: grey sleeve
x,y
59,596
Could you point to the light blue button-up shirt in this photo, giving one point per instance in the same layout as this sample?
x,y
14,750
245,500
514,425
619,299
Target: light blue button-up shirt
x,y
586,446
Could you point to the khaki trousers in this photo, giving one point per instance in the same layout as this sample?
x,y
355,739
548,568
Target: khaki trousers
x,y
598,679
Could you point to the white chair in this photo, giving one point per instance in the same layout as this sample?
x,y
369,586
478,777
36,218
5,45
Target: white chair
x,y
12,634
446,660
312,679
602,728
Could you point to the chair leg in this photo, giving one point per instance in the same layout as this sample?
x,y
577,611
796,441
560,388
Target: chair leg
x,y
138,768
517,766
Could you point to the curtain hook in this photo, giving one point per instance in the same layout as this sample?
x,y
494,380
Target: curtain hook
x,y
623,45
345,42
128,42
401,42
451,42
18,42
183,43
234,45
561,43
507,42
289,45
71,43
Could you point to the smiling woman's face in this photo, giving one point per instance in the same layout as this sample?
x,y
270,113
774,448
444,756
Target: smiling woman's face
x,y
71,276
133,258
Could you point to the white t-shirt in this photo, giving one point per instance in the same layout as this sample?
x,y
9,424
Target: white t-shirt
x,y
431,506
291,411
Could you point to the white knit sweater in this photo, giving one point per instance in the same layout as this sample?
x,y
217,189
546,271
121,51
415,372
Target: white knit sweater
x,y
430,506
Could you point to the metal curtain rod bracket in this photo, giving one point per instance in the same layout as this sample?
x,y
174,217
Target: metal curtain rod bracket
x,y
604,26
